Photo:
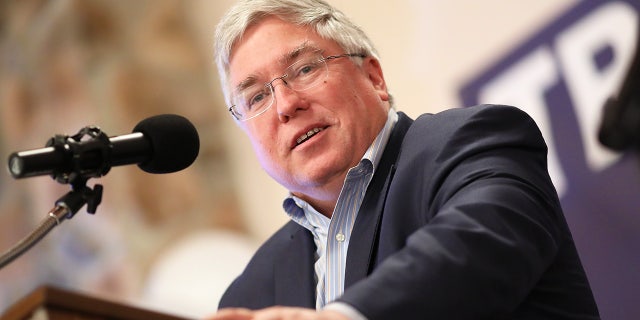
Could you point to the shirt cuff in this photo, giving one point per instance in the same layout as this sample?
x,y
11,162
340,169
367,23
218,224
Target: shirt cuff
x,y
347,310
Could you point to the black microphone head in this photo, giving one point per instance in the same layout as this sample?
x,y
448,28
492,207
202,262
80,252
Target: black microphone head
x,y
174,141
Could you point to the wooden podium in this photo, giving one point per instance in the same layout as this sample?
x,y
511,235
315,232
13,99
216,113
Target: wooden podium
x,y
48,303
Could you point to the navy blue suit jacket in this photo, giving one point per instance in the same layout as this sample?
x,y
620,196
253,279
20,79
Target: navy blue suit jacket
x,y
460,221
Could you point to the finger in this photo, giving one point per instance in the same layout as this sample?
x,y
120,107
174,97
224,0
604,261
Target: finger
x,y
285,313
232,314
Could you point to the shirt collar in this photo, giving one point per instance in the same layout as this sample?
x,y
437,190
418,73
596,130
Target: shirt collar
x,y
374,153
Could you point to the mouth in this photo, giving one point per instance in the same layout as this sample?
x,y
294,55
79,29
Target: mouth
x,y
307,135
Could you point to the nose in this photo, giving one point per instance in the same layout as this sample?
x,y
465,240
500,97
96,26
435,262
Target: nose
x,y
288,101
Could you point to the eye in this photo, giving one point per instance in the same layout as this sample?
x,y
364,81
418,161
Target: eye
x,y
306,68
256,99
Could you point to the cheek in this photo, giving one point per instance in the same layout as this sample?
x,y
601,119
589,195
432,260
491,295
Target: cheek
x,y
265,146
256,139
264,155
262,146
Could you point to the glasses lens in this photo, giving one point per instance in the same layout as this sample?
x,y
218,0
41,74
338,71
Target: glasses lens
x,y
307,72
252,101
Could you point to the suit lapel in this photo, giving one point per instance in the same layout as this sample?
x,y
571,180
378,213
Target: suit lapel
x,y
294,284
364,237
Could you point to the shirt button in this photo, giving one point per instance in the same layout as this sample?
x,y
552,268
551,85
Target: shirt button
x,y
340,237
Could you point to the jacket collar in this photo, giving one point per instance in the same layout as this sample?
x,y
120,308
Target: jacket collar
x,y
294,284
364,237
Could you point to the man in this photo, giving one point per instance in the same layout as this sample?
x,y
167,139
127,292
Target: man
x,y
450,216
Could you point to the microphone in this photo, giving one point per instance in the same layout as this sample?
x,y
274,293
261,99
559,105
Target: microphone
x,y
159,144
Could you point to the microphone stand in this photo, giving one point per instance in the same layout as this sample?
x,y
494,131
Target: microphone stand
x,y
69,204
65,207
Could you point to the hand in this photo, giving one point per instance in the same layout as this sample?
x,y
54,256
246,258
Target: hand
x,y
277,313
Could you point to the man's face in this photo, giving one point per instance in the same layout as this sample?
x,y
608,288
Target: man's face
x,y
349,107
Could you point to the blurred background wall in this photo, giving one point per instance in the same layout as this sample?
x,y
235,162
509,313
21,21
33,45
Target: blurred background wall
x,y
173,242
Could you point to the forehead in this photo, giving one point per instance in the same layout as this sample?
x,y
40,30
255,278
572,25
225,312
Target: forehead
x,y
269,45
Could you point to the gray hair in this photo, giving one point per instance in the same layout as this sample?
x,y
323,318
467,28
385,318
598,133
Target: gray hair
x,y
327,21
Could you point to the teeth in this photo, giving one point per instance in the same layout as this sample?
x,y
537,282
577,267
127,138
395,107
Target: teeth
x,y
308,135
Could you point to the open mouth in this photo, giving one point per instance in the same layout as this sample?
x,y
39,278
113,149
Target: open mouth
x,y
306,136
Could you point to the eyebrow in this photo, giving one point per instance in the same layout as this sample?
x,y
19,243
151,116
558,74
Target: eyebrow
x,y
289,57
285,60
246,83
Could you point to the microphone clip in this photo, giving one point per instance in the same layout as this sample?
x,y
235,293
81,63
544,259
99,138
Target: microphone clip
x,y
80,195
89,152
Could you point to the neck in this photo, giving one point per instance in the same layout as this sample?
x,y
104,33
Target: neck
x,y
325,197
324,207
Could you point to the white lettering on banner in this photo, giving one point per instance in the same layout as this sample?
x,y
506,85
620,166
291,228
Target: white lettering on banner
x,y
612,25
524,85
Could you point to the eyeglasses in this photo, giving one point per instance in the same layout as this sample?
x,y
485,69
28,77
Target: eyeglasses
x,y
304,74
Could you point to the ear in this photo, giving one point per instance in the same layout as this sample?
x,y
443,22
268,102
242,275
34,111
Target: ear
x,y
373,70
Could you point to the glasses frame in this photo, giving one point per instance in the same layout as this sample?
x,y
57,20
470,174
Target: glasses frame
x,y
238,116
